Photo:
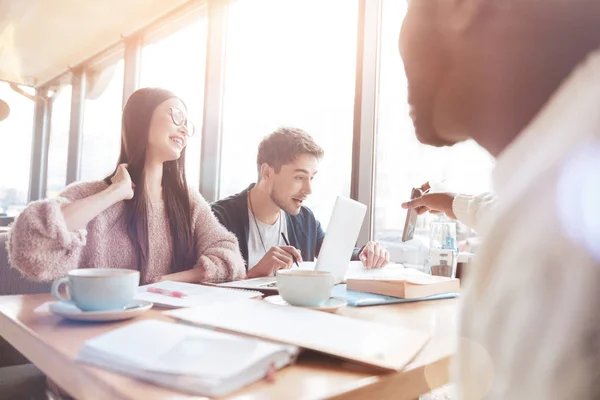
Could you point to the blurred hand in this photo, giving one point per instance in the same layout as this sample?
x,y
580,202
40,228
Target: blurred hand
x,y
278,257
432,202
374,255
121,182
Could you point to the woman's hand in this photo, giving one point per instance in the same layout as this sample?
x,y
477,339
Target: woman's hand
x,y
78,213
122,184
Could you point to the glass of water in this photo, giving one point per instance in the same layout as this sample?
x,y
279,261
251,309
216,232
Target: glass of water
x,y
443,252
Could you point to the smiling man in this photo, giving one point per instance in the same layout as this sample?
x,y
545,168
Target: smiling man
x,y
287,162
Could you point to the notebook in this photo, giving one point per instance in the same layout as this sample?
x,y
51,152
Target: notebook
x,y
197,295
405,283
384,346
186,358
361,299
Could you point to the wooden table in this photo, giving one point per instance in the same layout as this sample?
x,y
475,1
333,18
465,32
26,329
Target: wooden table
x,y
52,343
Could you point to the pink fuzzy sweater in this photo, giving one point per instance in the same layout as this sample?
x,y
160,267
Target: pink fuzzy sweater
x,y
42,248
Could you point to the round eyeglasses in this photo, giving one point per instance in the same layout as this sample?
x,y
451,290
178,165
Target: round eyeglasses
x,y
178,117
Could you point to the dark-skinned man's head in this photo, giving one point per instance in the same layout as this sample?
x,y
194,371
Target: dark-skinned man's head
x,y
482,69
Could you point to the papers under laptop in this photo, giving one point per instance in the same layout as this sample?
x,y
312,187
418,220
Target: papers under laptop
x,y
342,233
354,269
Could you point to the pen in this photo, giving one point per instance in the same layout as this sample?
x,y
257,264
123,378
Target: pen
x,y
287,244
172,293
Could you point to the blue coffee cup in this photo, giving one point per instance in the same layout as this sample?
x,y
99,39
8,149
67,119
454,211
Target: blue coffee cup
x,y
98,289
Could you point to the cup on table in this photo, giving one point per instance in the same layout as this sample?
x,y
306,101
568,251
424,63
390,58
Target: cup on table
x,y
443,252
98,289
304,288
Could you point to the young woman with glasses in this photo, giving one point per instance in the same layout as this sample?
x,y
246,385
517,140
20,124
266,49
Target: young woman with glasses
x,y
143,216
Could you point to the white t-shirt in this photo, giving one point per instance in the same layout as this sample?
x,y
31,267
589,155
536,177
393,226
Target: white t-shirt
x,y
271,236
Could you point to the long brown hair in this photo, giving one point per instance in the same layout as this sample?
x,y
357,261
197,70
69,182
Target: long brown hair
x,y
137,115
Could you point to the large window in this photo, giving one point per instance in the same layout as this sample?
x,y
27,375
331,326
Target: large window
x,y
59,141
16,133
177,63
290,63
403,162
102,122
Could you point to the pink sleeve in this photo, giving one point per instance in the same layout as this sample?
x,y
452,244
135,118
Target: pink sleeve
x,y
218,249
39,243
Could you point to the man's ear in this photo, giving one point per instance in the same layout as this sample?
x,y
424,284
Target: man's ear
x,y
266,172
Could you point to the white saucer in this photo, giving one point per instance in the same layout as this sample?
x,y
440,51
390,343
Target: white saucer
x,y
331,305
69,311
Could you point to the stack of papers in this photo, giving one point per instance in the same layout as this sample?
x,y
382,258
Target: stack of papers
x,y
385,346
186,358
404,283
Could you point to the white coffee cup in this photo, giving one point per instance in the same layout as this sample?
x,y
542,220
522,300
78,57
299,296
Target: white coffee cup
x,y
304,288
98,289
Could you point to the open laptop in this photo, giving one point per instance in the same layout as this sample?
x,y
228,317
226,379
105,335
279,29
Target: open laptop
x,y
342,232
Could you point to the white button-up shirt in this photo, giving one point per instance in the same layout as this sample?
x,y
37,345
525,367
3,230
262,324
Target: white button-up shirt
x,y
530,325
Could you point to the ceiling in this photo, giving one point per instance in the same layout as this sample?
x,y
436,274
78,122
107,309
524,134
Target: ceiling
x,y
41,39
